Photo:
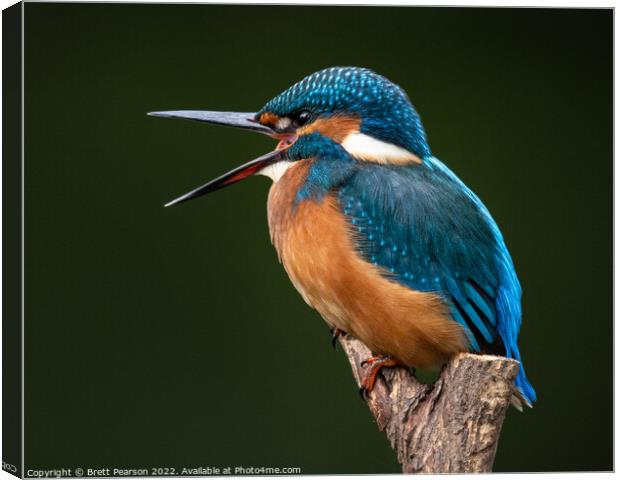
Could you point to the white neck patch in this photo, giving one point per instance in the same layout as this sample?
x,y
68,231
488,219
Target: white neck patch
x,y
359,145
370,149
275,170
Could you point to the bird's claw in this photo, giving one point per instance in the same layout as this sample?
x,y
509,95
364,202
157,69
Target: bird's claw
x,y
336,333
371,360
376,363
363,393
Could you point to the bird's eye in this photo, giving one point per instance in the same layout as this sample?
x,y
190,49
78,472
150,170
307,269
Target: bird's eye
x,y
303,117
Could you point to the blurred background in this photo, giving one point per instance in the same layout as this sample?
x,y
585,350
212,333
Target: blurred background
x,y
173,338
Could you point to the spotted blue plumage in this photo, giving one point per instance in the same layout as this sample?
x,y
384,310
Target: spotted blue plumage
x,y
419,223
383,107
431,233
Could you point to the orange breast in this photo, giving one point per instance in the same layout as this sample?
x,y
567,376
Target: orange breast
x,y
315,244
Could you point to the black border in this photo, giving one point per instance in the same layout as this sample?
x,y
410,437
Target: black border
x,y
12,85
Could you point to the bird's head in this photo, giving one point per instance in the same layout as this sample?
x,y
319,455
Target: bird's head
x,y
370,117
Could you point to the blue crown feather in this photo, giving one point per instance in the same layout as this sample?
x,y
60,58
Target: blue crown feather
x,y
383,107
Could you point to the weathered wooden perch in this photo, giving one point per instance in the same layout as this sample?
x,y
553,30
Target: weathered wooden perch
x,y
452,426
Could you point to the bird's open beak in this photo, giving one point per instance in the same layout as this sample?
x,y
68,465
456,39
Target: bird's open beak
x,y
231,119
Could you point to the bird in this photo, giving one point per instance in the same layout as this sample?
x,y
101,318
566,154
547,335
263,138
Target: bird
x,y
375,232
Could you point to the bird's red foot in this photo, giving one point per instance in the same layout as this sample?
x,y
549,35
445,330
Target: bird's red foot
x,y
336,332
375,364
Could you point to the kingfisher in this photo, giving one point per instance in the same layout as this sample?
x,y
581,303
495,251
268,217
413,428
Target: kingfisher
x,y
375,232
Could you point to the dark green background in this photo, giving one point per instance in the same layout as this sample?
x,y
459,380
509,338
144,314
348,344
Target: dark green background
x,y
172,337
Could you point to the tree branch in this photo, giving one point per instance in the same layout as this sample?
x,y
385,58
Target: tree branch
x,y
449,427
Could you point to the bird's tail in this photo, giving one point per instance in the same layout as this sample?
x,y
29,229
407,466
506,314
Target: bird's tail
x,y
509,306
523,392
518,400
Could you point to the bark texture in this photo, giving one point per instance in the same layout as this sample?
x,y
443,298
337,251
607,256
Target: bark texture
x,y
452,426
